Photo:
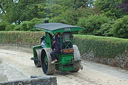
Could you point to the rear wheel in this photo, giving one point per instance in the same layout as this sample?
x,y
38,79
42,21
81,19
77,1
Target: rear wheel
x,y
77,60
76,66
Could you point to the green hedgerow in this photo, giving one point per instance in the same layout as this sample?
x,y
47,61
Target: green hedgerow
x,y
101,46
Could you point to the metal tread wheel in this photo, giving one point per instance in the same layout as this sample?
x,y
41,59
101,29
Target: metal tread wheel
x,y
47,67
37,63
77,60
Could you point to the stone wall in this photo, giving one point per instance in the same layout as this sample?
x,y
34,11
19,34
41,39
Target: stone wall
x,y
34,80
119,61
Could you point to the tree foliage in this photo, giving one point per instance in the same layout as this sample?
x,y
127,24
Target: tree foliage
x,y
21,10
3,25
105,29
124,6
10,27
80,3
92,24
120,27
57,7
109,7
72,16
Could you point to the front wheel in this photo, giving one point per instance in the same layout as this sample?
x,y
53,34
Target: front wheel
x,y
47,67
37,63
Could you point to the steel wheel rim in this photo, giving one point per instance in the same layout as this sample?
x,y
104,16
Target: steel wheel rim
x,y
45,64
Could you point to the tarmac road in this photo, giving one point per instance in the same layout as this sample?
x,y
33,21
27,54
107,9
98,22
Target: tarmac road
x,y
15,64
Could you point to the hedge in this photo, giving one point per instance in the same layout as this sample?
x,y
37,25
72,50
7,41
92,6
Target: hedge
x,y
101,46
20,38
108,47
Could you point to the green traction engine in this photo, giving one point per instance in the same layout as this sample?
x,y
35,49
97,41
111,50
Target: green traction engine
x,y
69,56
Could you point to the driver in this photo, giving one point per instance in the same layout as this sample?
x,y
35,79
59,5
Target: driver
x,y
56,49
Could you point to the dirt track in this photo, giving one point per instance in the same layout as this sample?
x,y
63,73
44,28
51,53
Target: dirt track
x,y
15,64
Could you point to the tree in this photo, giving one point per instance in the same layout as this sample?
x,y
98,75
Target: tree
x,y
124,6
6,7
92,24
80,3
120,27
90,3
72,16
21,10
109,7
106,29
3,25
57,7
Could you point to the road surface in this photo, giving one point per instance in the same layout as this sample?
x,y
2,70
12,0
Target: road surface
x,y
15,64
